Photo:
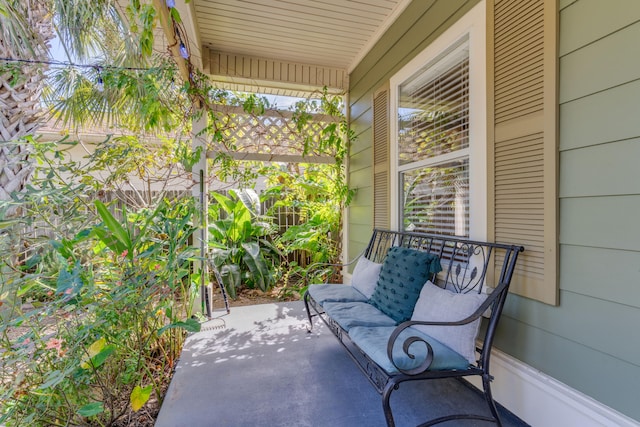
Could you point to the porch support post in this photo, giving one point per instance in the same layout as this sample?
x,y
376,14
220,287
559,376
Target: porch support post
x,y
201,194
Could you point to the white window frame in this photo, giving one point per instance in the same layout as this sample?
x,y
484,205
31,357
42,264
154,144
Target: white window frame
x,y
473,24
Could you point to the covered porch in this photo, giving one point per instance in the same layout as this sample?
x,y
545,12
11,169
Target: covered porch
x,y
550,338
258,366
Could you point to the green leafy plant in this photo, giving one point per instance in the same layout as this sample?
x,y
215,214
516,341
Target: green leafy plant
x,y
109,300
319,198
240,243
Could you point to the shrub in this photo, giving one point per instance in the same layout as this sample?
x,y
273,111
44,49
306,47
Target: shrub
x,y
240,244
109,302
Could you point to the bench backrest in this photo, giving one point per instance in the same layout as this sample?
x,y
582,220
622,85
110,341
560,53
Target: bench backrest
x,y
467,265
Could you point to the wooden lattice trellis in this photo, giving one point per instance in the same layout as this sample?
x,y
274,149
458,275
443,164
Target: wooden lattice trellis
x,y
271,135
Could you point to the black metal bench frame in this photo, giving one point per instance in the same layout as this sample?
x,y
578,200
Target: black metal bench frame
x,y
467,265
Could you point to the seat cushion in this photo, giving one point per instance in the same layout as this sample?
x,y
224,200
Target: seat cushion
x,y
403,273
335,293
365,276
437,304
351,314
373,341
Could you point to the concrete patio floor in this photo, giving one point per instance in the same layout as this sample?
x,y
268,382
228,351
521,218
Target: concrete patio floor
x,y
258,366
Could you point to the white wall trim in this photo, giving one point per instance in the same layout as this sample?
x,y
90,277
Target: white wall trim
x,y
473,25
541,400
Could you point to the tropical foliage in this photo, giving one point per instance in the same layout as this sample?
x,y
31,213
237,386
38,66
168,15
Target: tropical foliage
x,y
97,297
84,28
110,298
240,245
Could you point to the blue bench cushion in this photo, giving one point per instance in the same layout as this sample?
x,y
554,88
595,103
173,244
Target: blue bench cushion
x,y
335,293
352,314
365,276
404,272
373,341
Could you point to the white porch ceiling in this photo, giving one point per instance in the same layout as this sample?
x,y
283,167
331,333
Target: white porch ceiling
x,y
324,34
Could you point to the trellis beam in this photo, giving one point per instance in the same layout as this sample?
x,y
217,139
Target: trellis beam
x,y
233,109
281,158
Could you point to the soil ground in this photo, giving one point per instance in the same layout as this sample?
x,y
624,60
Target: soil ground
x,y
253,297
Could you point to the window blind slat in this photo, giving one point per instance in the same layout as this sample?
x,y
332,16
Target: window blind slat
x,y
433,119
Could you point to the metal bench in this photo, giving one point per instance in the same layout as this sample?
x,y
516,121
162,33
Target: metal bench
x,y
390,352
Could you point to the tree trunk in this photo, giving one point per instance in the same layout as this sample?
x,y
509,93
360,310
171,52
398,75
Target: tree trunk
x,y
25,30
21,86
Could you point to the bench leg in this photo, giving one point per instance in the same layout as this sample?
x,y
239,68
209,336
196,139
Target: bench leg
x,y
305,298
486,383
386,394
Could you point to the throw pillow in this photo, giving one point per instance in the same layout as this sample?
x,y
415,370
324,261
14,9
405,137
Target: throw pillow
x,y
365,276
437,304
402,275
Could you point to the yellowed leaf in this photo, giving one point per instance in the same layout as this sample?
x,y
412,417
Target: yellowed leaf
x,y
139,396
93,349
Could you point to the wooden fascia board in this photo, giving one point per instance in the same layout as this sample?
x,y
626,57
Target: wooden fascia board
x,y
166,23
190,23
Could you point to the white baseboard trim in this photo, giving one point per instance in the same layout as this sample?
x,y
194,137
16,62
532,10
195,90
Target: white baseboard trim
x,y
541,400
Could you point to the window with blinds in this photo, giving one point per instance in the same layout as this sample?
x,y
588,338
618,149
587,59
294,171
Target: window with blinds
x,y
433,145
436,199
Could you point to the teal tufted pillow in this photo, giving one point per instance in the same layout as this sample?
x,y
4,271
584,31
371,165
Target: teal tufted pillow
x,y
404,272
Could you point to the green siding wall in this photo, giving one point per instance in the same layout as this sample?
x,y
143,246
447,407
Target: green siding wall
x,y
416,28
591,341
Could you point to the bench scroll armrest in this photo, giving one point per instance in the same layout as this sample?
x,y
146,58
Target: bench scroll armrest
x,y
490,302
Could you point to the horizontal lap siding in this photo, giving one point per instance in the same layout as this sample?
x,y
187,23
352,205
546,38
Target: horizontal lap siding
x,y
596,373
591,340
420,24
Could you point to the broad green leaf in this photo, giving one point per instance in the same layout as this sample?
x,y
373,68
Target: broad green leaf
x,y
61,248
249,199
231,278
115,227
102,357
226,203
97,354
97,347
70,282
244,225
219,229
189,325
91,409
33,261
26,288
219,255
139,396
110,241
257,265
